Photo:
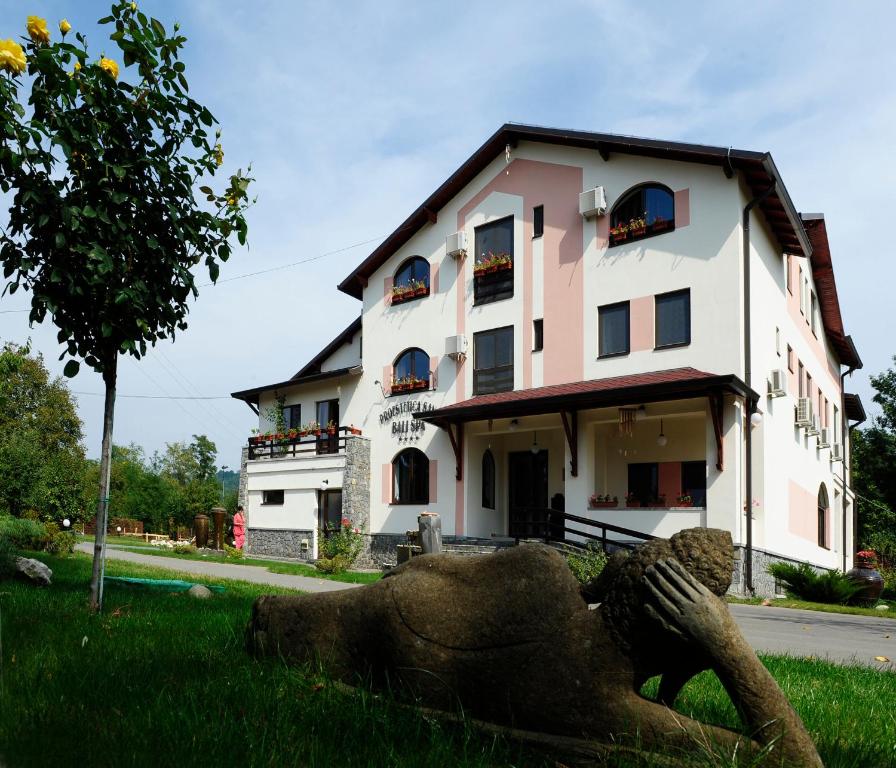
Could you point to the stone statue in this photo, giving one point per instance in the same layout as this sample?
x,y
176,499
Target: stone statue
x,y
510,639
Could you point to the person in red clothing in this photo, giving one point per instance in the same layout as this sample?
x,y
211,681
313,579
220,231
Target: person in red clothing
x,y
239,528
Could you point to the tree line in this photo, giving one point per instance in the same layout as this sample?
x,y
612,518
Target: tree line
x,y
45,474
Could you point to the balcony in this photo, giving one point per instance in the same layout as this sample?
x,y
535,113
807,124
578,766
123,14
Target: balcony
x,y
300,443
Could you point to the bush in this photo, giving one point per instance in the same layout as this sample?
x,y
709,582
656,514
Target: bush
x,y
587,564
233,553
344,543
337,564
889,574
22,533
7,558
57,541
804,583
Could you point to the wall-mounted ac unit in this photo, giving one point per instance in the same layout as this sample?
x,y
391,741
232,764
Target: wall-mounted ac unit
x,y
777,383
824,441
456,245
813,428
593,202
836,452
804,412
456,346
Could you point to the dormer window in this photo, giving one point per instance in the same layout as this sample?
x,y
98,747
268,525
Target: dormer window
x,y
410,371
644,211
411,280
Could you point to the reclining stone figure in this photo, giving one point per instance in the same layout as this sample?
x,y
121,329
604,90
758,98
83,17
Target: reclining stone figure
x,y
510,638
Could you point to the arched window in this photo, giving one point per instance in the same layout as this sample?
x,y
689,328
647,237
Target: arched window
x,y
644,211
823,517
488,480
410,371
411,280
410,477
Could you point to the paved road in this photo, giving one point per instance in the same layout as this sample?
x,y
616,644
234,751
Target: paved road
x,y
839,637
252,573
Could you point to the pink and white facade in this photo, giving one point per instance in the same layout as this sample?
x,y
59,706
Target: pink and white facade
x,y
608,363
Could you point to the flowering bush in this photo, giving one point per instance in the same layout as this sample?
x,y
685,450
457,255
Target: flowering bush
x,y
867,558
338,549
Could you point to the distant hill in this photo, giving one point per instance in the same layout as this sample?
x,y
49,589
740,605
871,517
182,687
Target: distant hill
x,y
230,479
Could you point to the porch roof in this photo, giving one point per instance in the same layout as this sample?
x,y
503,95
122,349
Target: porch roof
x,y
656,386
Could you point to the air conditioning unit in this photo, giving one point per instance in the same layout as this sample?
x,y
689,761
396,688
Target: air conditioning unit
x,y
593,202
813,428
456,347
804,412
836,451
777,383
456,245
825,440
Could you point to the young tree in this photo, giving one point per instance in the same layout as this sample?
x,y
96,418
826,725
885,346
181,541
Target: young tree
x,y
105,228
191,470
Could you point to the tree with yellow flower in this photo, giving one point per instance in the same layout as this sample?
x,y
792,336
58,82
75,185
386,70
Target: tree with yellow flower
x,y
108,222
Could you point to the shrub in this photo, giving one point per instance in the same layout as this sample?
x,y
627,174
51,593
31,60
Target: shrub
x,y
344,544
889,574
233,553
57,541
587,564
337,564
804,583
183,548
22,533
7,558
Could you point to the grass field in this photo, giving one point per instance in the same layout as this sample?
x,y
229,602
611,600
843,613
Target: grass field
x,y
274,566
854,610
161,680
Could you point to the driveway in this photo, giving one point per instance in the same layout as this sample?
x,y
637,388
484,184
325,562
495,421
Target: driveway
x,y
251,573
839,637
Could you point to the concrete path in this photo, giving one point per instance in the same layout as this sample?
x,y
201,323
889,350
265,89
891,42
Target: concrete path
x,y
252,573
838,637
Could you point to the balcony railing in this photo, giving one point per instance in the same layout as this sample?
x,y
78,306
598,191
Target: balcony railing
x,y
285,445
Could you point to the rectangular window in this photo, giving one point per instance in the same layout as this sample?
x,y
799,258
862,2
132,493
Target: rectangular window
x,y
538,221
328,417
802,289
788,273
493,361
537,335
272,497
790,358
808,385
814,313
292,416
644,483
836,424
778,341
805,307
693,482
613,329
493,265
802,380
821,408
673,319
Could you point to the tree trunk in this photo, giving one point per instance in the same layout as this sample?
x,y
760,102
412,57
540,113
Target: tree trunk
x,y
102,507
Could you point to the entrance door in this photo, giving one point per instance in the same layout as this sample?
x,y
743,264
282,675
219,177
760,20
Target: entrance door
x,y
330,511
528,494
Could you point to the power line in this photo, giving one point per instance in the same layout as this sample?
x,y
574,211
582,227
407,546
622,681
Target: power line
x,y
12,311
153,397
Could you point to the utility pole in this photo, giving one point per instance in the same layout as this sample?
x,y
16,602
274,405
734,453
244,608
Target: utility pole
x,y
223,470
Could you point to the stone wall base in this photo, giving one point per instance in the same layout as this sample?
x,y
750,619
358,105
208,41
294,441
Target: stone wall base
x,y
279,543
763,583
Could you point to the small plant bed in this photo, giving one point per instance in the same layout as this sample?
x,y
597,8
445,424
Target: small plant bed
x,y
786,602
274,566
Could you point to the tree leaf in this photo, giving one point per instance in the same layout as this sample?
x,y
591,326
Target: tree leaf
x,y
71,369
88,212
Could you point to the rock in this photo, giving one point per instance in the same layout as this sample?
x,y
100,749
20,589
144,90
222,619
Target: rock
x,y
882,607
510,639
199,591
34,570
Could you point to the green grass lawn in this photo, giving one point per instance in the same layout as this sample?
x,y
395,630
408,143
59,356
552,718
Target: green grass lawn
x,y
122,541
823,607
274,566
161,680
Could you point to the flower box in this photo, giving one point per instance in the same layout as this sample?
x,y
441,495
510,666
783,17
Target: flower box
x,y
504,265
602,504
618,237
354,430
416,385
660,225
422,291
632,503
331,431
638,231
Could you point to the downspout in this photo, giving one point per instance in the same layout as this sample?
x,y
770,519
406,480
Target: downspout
x,y
750,402
847,431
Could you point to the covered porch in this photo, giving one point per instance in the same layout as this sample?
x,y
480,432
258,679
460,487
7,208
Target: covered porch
x,y
647,453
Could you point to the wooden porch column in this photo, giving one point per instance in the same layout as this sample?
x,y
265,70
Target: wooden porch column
x,y
716,410
571,428
456,436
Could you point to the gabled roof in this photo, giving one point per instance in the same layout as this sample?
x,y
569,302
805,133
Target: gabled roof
x,y
311,371
826,287
854,410
672,384
758,170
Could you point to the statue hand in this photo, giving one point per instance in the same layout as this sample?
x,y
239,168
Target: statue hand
x,y
683,606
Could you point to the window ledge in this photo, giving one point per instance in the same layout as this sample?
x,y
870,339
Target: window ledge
x,y
676,345
613,354
407,503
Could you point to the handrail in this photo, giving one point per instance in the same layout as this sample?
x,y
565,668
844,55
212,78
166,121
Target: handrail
x,y
553,522
283,445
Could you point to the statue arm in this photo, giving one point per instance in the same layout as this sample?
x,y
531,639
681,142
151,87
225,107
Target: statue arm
x,y
683,606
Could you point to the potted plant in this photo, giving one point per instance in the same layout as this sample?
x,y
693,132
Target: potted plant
x,y
638,226
597,501
354,430
685,500
661,500
631,500
421,289
660,224
865,573
618,234
479,269
331,428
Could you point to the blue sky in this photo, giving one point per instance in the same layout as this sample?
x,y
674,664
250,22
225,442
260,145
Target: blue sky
x,y
352,113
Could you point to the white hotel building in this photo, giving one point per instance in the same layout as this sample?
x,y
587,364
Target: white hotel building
x,y
662,328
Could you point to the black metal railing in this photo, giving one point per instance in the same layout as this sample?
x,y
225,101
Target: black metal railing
x,y
317,443
552,525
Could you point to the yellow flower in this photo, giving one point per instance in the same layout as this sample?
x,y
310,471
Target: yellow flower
x,y
65,27
76,69
12,57
219,155
37,28
109,66
133,6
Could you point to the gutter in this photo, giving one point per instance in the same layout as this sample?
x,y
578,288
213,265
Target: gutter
x,y
750,401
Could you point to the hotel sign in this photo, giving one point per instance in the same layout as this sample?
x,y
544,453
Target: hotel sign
x,y
400,416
